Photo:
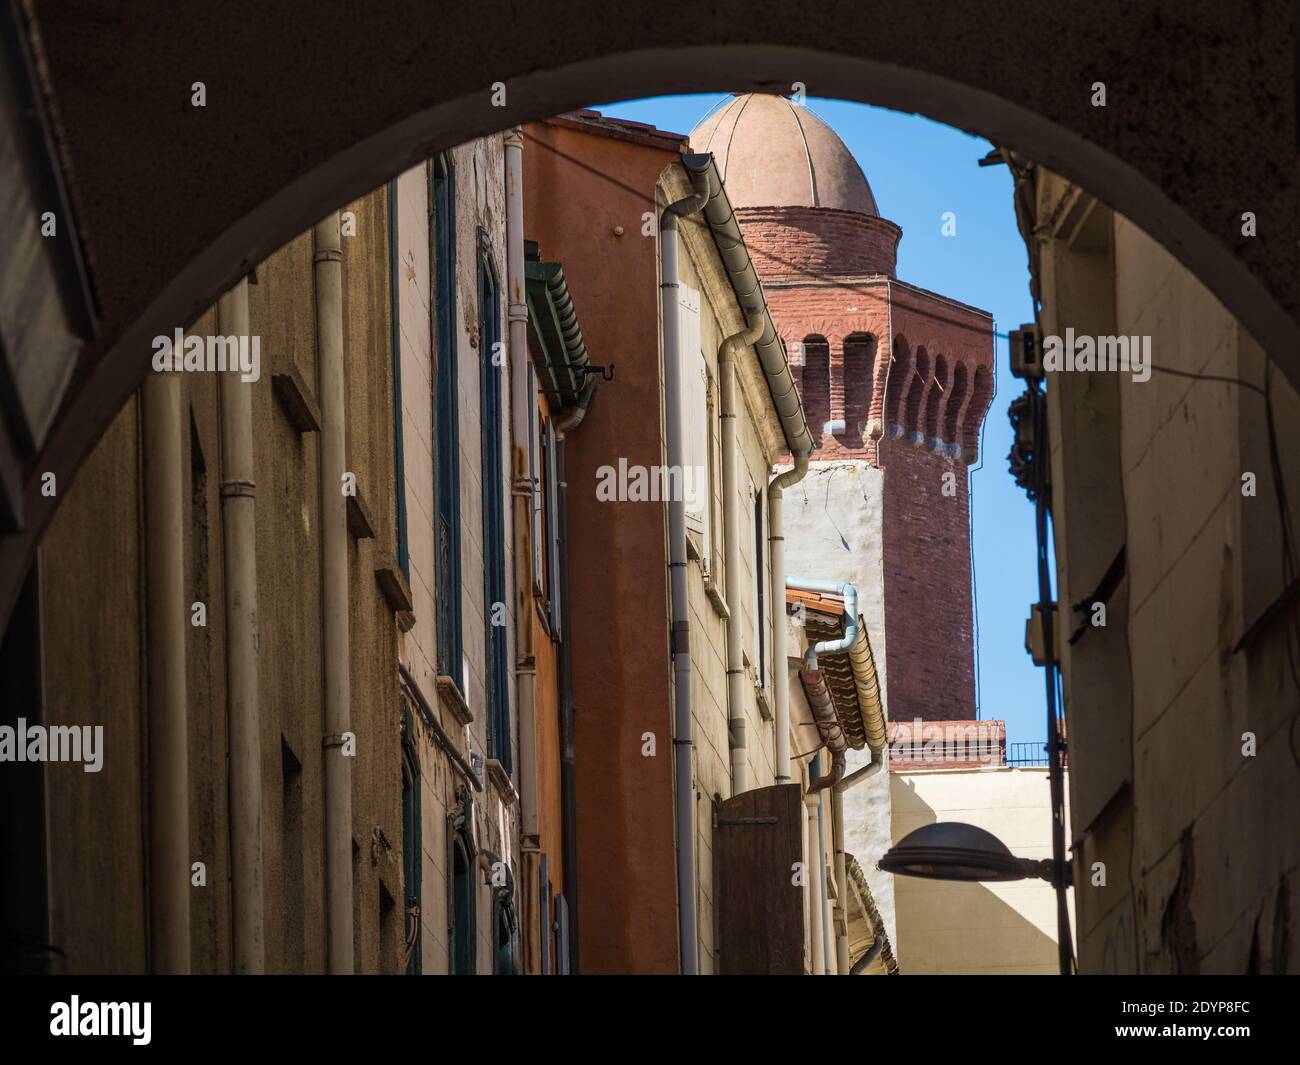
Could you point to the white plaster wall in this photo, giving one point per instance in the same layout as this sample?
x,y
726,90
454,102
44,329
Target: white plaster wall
x,y
833,530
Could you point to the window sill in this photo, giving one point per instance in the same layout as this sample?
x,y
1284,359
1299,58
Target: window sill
x,y
360,524
452,700
500,779
715,597
396,592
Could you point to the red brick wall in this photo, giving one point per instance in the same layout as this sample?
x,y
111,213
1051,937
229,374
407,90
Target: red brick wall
x,y
920,744
908,373
790,243
929,631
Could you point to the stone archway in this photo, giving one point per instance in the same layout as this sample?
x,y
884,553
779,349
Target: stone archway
x,y
173,203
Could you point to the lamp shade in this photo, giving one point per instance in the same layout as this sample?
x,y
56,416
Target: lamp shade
x,y
951,850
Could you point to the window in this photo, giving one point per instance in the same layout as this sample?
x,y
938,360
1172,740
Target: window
x,y
505,926
563,963
496,632
411,843
442,255
550,450
693,480
461,917
395,307
535,478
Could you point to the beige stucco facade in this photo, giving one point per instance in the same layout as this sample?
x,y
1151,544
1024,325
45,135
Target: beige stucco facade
x,y
95,637
1186,785
714,595
1001,928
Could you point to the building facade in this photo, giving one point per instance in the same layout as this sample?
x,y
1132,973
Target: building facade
x,y
179,607
895,381
1172,517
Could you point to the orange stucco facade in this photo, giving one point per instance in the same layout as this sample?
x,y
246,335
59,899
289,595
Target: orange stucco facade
x,y
588,183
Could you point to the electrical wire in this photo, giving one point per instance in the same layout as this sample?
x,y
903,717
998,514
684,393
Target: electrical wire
x,y
796,269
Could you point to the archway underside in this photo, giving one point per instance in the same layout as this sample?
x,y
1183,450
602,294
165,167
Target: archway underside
x,y
175,203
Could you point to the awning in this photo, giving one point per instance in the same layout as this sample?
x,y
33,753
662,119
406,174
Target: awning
x,y
556,336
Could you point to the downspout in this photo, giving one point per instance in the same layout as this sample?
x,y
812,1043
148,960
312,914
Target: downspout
x,y
873,952
731,534
679,608
574,418
165,627
826,895
568,785
522,499
776,552
238,512
827,720
730,242
841,870
327,270
841,588
817,866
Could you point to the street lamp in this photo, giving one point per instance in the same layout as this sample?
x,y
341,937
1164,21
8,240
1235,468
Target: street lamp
x,y
951,850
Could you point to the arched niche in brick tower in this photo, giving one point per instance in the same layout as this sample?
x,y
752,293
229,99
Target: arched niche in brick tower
x,y
859,366
815,385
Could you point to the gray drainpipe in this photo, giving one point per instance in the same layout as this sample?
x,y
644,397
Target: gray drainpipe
x,y
683,758
776,553
731,541
873,952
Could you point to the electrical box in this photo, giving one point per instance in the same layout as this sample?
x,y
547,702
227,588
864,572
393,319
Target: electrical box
x,y
1026,352
1035,643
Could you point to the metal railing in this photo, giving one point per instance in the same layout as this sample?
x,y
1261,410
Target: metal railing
x,y
1027,754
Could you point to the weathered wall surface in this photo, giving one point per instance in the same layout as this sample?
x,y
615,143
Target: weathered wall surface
x,y
627,904
95,650
480,207
947,927
1181,708
98,897
834,531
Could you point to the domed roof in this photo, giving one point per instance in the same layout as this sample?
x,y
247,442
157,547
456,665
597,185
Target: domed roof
x,y
773,153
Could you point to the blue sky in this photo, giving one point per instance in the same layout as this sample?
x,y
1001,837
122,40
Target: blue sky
x,y
919,169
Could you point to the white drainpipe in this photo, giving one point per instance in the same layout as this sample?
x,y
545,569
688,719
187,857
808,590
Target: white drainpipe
x,y
776,552
327,269
238,503
850,596
166,626
679,633
522,499
731,535
815,874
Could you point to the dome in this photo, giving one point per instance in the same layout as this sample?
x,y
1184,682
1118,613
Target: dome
x,y
773,153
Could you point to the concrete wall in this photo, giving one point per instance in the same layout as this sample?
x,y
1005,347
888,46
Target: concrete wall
x,y
1194,822
95,639
834,529
945,927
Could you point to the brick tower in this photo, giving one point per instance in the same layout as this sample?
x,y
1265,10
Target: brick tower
x,y
895,381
